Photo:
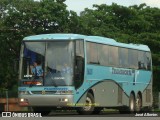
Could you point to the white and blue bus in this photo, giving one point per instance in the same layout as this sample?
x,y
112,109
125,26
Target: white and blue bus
x,y
87,73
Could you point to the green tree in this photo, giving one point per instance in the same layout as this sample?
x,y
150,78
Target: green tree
x,y
20,18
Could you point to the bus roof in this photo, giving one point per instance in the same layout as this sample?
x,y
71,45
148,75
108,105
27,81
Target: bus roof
x,y
96,39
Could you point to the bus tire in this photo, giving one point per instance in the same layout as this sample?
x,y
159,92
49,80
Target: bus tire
x,y
43,110
138,103
89,107
132,103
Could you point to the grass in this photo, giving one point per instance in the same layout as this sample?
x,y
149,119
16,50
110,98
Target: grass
x,y
157,110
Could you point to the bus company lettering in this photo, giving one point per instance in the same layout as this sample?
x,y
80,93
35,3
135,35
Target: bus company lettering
x,y
121,71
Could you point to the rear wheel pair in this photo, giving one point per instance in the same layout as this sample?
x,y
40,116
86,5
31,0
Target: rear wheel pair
x,y
135,105
138,103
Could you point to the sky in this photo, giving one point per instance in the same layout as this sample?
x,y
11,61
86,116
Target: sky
x,y
79,5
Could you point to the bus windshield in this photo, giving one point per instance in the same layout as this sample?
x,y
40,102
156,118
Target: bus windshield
x,y
47,63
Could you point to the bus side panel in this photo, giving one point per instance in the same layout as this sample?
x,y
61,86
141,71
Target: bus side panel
x,y
109,94
82,100
147,98
106,93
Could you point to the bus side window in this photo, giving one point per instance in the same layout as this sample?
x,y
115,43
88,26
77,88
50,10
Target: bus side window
x,y
92,53
133,58
79,66
103,54
113,56
123,57
141,60
148,60
141,65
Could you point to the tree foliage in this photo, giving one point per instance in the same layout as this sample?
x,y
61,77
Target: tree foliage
x,y
20,18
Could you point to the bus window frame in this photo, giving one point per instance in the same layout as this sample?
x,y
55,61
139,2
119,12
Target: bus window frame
x,y
118,66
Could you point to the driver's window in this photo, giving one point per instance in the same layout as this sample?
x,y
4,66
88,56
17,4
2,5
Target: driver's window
x,y
33,60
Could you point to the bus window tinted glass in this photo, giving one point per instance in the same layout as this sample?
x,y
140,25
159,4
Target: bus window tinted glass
x,y
33,60
103,54
79,64
123,57
92,55
79,48
59,59
132,58
141,60
147,57
113,56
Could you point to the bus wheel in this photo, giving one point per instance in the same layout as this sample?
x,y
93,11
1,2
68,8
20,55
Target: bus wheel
x,y
138,103
43,110
89,107
132,103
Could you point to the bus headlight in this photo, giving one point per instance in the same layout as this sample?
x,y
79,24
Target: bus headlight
x,y
64,100
23,102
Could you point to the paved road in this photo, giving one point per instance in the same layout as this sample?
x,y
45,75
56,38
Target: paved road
x,y
103,114
74,115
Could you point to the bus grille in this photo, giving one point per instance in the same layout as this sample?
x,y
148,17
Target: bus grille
x,y
43,92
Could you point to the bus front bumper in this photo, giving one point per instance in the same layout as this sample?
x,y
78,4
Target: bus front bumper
x,y
46,100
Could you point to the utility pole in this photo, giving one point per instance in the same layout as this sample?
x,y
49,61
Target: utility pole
x,y
6,99
159,100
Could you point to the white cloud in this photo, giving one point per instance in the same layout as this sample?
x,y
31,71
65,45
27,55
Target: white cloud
x,y
79,5
152,3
